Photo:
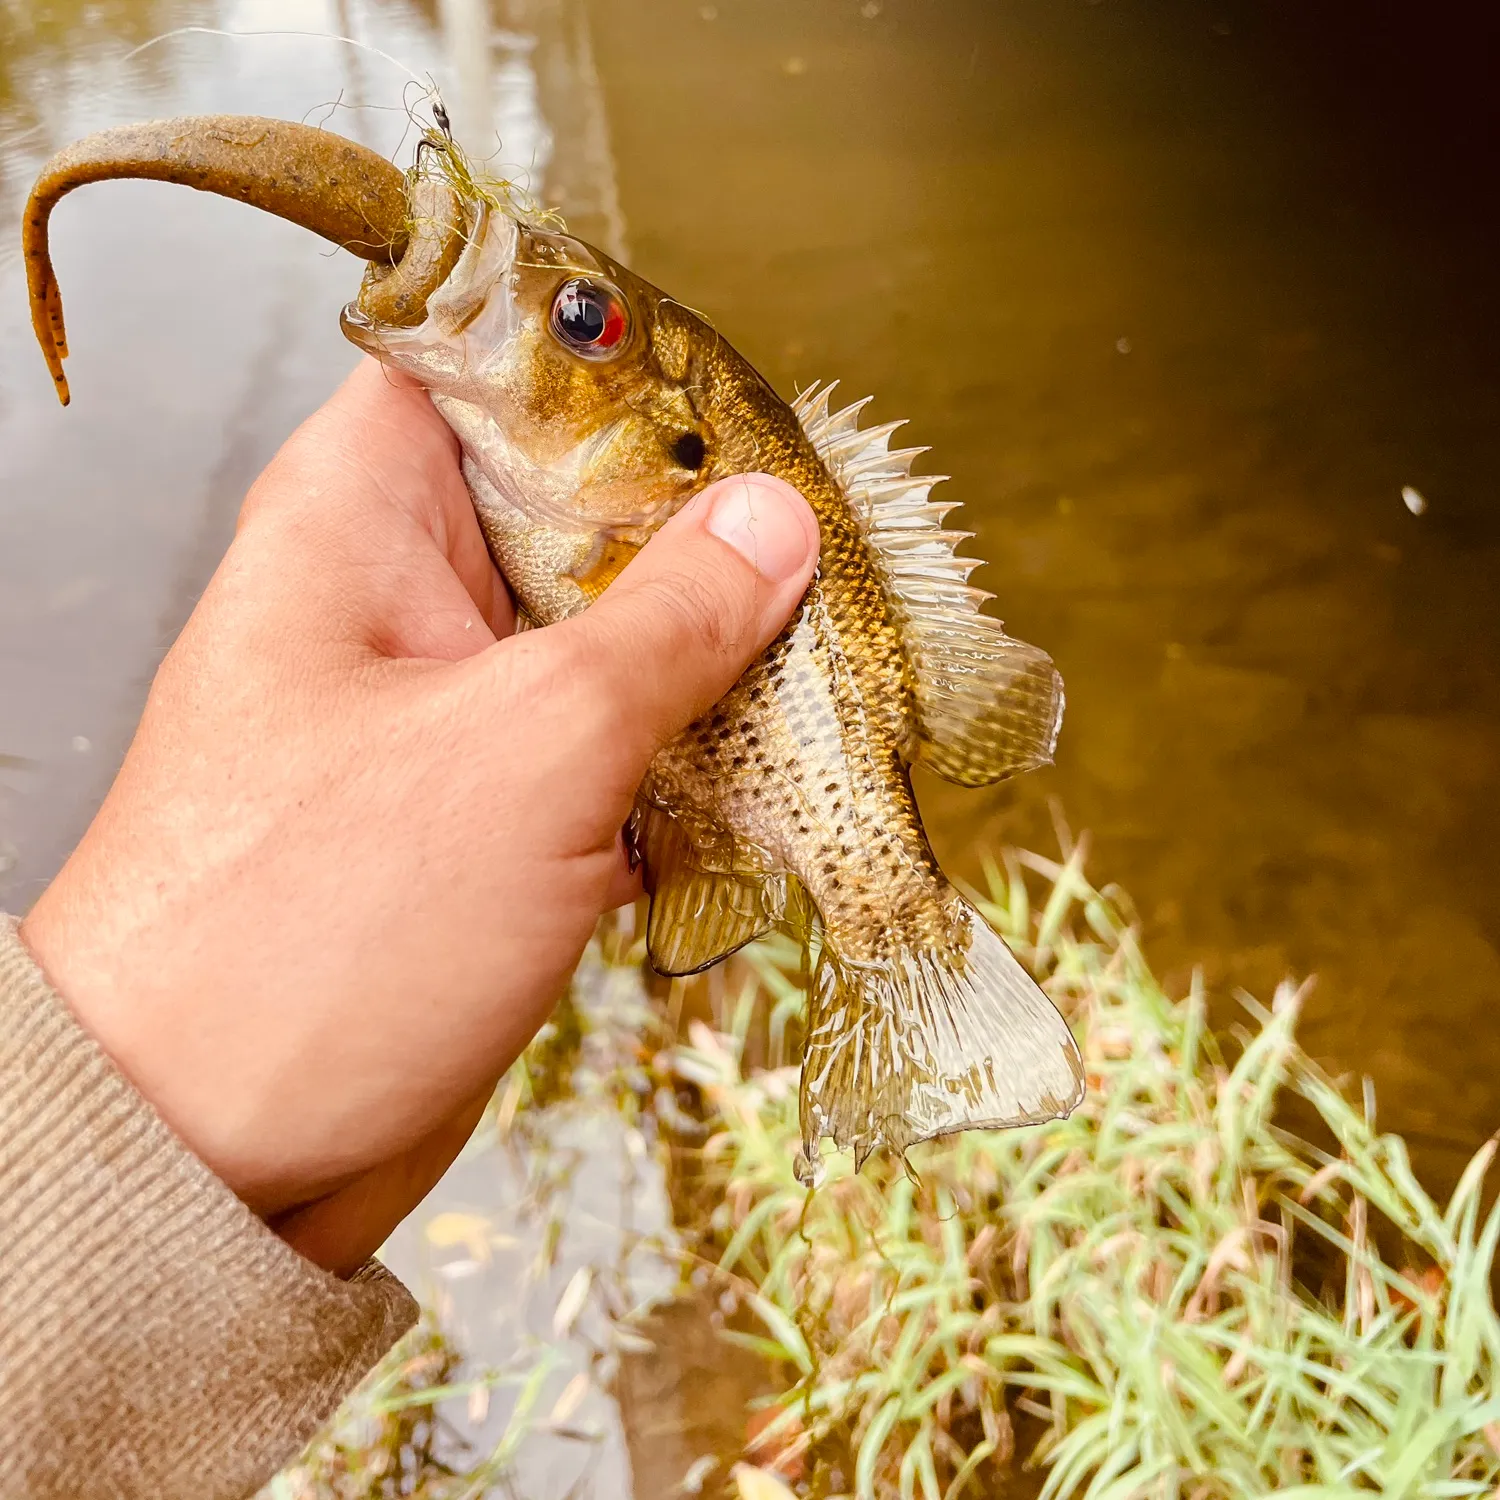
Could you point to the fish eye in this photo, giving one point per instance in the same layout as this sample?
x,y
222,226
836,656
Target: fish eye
x,y
589,318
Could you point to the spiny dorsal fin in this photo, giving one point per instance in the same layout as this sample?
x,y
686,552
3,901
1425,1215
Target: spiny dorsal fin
x,y
988,705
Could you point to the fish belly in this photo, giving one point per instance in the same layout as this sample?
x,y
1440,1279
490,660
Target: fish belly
x,y
541,564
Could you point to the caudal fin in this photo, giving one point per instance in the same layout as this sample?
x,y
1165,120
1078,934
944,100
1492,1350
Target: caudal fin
x,y
928,1042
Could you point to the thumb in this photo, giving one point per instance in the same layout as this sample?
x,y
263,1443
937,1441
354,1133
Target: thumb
x,y
705,596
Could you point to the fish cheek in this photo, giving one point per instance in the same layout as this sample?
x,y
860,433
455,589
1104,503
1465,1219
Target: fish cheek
x,y
548,408
567,395
631,424
632,484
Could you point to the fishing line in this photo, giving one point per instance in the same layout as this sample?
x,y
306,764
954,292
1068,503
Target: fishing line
x,y
319,36
332,106
428,87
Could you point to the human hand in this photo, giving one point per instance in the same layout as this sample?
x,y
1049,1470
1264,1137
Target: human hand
x,y
365,830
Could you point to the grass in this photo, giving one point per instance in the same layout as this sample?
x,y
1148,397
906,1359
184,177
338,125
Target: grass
x,y
391,1439
1168,1295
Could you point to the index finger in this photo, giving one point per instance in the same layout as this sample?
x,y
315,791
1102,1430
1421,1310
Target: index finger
x,y
379,441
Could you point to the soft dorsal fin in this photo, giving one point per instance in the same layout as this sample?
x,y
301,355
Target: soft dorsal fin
x,y
988,706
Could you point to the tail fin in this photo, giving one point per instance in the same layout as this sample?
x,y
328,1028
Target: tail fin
x,y
928,1042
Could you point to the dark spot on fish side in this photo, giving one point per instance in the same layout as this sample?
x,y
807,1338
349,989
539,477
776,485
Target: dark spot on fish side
x,y
689,449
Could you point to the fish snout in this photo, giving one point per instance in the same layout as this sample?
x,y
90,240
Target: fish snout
x,y
454,309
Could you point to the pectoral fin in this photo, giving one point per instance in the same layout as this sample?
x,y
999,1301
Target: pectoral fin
x,y
612,558
988,706
698,916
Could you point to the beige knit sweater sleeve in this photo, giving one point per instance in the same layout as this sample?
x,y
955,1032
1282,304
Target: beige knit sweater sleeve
x,y
156,1340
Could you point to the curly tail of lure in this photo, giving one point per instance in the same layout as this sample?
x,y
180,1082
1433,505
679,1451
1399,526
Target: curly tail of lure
x,y
411,232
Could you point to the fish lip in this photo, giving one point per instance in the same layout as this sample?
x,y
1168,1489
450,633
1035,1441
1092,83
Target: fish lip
x,y
486,267
361,329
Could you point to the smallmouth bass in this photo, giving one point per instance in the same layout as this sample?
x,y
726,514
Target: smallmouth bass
x,y
590,407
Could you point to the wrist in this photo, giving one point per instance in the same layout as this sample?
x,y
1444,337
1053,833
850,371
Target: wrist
x,y
86,945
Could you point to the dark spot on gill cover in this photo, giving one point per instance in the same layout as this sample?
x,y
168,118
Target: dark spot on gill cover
x,y
688,448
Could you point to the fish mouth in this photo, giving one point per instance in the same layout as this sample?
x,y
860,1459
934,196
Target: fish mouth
x,y
396,292
458,297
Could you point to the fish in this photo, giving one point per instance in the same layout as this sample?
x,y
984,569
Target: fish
x,y
591,406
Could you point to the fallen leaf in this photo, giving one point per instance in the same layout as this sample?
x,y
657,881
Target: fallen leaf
x,y
780,1451
571,1398
759,1484
570,1304
479,1404
472,1231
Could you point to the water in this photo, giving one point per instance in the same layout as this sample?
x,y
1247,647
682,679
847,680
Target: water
x,y
1181,333
1183,296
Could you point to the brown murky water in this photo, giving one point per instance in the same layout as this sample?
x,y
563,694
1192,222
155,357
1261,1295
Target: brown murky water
x,y
1181,335
1182,294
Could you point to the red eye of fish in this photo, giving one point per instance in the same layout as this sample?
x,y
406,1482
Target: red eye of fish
x,y
589,318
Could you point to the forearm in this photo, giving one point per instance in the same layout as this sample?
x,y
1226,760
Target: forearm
x,y
156,1339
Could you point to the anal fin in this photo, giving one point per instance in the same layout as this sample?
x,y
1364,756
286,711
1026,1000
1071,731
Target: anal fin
x,y
988,706
698,915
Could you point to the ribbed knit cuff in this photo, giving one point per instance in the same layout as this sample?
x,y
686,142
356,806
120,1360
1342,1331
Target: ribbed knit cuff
x,y
156,1339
